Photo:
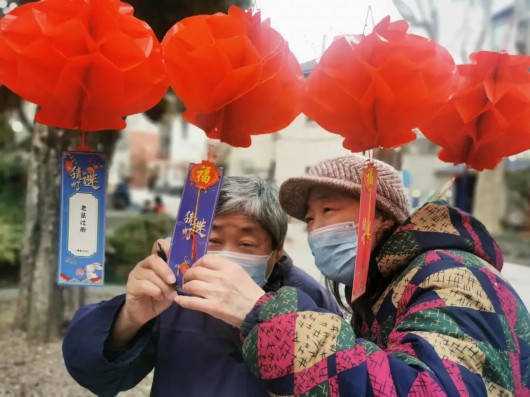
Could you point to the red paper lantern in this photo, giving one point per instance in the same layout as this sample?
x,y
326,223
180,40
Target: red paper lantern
x,y
489,116
86,63
235,75
374,90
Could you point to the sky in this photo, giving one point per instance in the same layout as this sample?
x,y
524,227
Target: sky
x,y
310,25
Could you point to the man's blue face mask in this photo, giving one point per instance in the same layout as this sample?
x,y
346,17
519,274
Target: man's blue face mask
x,y
255,265
335,250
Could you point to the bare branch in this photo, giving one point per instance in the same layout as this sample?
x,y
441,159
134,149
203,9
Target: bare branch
x,y
434,20
429,25
465,36
426,18
522,35
23,118
486,8
407,12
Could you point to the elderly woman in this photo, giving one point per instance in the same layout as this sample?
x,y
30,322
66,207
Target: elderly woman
x,y
111,346
437,317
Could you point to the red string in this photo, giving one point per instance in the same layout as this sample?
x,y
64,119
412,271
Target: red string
x,y
83,147
211,153
193,246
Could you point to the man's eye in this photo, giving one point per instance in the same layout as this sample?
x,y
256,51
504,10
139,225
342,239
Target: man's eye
x,y
214,241
308,220
326,209
247,245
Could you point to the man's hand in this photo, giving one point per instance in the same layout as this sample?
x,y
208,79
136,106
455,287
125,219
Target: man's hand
x,y
149,293
220,288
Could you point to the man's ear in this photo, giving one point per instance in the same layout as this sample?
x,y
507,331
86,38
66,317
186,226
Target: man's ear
x,y
278,253
274,259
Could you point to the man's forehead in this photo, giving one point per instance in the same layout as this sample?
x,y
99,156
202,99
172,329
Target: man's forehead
x,y
238,221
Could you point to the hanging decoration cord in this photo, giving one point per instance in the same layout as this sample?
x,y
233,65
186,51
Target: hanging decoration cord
x,y
83,147
369,14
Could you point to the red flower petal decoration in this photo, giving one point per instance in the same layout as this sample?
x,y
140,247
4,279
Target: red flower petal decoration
x,y
86,63
489,116
374,90
235,75
65,277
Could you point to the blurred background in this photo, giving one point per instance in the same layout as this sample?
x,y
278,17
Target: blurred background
x,y
150,158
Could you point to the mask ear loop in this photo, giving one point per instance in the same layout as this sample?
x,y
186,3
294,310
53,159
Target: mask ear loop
x,y
273,266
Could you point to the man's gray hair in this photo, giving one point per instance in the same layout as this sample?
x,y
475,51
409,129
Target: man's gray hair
x,y
256,198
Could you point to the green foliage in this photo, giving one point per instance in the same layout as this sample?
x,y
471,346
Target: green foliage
x,y
131,242
514,246
11,232
11,237
11,229
12,201
514,241
12,190
519,181
7,135
518,195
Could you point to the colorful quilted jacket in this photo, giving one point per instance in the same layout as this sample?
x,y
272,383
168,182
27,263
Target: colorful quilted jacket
x,y
447,324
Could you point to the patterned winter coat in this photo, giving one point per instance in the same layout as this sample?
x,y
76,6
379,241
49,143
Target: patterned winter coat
x,y
447,324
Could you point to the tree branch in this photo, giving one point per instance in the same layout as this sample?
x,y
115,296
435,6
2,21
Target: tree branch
x,y
430,26
522,35
23,118
486,8
407,12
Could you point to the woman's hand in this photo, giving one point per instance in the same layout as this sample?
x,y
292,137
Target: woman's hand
x,y
220,288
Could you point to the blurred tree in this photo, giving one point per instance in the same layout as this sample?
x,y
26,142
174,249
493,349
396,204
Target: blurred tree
x,y
522,34
128,243
42,306
7,135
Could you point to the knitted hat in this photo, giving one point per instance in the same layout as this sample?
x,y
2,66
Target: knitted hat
x,y
344,173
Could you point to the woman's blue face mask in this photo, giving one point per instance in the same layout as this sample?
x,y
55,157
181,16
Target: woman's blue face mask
x,y
335,250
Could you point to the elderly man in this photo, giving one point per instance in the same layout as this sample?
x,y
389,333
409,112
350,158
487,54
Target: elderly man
x,y
113,345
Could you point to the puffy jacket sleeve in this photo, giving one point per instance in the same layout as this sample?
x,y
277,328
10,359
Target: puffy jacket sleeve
x,y
453,333
87,359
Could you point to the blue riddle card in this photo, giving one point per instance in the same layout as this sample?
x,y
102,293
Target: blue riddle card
x,y
82,219
195,217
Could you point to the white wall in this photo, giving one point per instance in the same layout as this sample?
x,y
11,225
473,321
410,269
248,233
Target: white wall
x,y
304,144
300,145
423,170
120,166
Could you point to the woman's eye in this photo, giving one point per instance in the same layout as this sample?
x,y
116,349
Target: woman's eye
x,y
308,220
247,245
326,209
214,241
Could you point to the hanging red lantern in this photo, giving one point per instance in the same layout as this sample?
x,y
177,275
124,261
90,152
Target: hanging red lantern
x,y
86,63
489,116
235,75
374,90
